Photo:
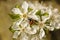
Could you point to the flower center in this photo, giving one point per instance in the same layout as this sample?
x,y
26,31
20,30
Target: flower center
x,y
41,24
25,15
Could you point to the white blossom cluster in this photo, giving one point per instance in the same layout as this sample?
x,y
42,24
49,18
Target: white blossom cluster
x,y
34,20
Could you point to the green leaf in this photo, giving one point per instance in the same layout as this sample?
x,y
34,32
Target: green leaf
x,y
11,29
38,13
29,9
47,22
45,14
15,17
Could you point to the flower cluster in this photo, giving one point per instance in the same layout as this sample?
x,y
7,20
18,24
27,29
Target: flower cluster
x,y
31,20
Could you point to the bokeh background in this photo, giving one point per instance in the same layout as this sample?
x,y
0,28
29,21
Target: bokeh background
x,y
5,20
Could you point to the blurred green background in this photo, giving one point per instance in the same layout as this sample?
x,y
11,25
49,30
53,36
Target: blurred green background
x,y
5,20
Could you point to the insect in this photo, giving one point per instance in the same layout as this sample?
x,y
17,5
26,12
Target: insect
x,y
32,21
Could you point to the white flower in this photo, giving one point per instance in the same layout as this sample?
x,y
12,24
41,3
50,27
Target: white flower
x,y
33,19
23,22
25,14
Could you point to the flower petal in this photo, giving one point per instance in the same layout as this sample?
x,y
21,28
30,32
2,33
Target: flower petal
x,y
24,23
32,30
19,21
58,27
25,6
44,18
15,26
50,28
33,17
24,36
16,34
16,11
42,33
31,5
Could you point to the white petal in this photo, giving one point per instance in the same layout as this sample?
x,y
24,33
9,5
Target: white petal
x,y
49,11
35,27
31,5
42,33
23,36
19,21
25,6
16,11
28,28
50,28
33,17
34,12
15,26
45,19
31,30
24,23
58,27
16,34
